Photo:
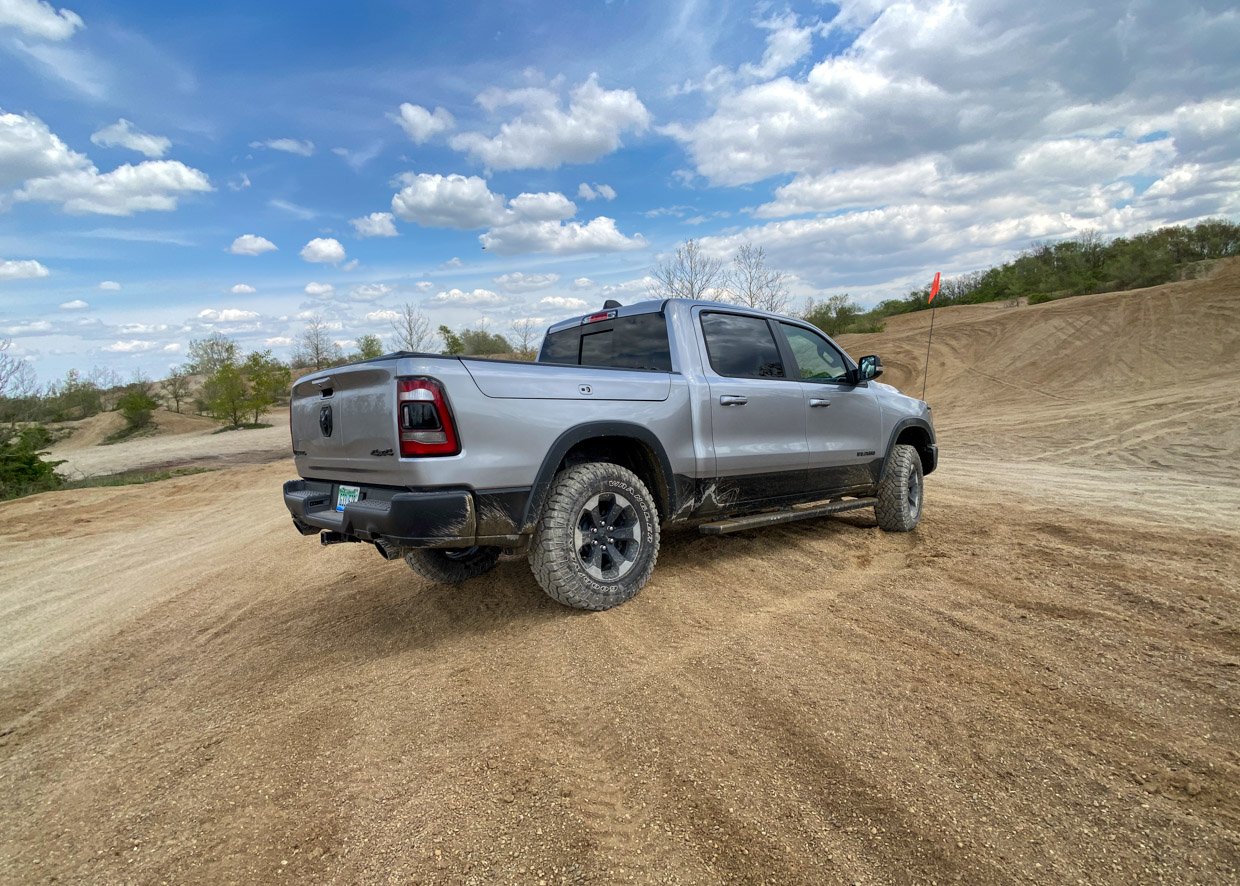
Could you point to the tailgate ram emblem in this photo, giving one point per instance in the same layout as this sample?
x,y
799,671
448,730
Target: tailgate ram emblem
x,y
325,420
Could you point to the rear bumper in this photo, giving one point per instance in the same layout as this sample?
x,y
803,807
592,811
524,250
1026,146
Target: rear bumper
x,y
438,518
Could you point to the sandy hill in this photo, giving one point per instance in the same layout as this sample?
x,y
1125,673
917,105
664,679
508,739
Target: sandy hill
x,y
1145,378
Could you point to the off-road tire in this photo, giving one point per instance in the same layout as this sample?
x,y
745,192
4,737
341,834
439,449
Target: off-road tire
x,y
452,566
568,528
901,492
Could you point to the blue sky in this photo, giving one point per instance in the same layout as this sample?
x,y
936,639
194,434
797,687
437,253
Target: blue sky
x,y
151,155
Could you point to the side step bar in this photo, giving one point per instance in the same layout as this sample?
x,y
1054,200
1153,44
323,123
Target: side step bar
x,y
776,517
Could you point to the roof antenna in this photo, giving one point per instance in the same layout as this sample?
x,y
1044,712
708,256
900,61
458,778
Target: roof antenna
x,y
611,303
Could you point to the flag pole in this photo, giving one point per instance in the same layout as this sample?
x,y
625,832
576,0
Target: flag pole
x,y
934,290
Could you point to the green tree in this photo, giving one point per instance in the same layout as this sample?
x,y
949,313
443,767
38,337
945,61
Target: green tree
x,y
452,343
267,380
368,347
226,394
136,405
207,355
481,343
22,469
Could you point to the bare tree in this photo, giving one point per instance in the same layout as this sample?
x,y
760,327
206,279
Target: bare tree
x,y
523,333
315,348
176,385
413,330
755,284
9,366
690,273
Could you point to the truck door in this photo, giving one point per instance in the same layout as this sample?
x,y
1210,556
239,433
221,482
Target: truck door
x,y
757,411
843,420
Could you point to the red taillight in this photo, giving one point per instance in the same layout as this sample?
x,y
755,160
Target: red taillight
x,y
424,420
599,317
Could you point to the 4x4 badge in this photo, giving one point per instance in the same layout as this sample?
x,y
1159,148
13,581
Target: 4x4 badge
x,y
325,420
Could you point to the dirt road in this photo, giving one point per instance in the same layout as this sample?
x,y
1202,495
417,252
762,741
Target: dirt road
x,y
1040,685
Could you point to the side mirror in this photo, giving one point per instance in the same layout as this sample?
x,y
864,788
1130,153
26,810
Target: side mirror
x,y
869,367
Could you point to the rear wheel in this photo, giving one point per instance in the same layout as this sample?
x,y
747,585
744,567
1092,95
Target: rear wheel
x,y
598,539
452,566
901,491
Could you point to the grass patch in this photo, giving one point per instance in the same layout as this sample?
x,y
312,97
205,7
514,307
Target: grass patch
x,y
128,433
131,478
244,426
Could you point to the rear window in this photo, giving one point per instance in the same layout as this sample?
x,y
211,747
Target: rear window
x,y
637,342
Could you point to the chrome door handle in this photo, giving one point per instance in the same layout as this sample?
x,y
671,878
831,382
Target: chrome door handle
x,y
733,400
818,402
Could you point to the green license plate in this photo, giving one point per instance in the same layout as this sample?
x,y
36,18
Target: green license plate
x,y
346,495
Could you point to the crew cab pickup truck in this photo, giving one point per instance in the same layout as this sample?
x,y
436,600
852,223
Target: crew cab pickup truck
x,y
633,419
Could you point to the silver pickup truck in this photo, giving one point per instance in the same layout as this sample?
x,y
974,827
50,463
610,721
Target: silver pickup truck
x,y
634,418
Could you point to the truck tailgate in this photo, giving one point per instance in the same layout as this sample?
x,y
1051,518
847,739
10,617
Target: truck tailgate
x,y
343,420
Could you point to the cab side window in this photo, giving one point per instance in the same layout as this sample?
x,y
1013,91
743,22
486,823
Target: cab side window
x,y
741,347
817,359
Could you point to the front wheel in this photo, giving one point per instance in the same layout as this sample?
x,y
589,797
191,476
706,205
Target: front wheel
x,y
901,491
598,539
451,566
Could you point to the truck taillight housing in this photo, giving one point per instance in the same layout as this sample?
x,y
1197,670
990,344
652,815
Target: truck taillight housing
x,y
424,419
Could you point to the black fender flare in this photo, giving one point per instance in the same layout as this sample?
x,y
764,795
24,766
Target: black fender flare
x,y
901,426
594,431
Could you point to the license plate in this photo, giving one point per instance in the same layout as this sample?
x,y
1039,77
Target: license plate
x,y
346,495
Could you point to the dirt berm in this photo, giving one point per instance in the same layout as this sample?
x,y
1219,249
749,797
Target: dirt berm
x,y
1039,685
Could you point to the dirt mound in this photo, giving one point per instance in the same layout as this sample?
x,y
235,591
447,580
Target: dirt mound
x,y
183,440
87,432
1144,379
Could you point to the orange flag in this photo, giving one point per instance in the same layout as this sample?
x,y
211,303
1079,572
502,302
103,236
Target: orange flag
x,y
934,288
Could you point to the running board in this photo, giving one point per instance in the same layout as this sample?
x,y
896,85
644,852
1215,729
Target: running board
x,y
772,519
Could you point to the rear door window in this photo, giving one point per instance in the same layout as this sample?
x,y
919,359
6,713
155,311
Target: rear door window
x,y
741,347
636,342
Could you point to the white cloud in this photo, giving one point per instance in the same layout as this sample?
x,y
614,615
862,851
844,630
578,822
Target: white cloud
x,y
447,201
350,265
541,207
239,182
227,315
369,291
242,289
122,134
559,238
38,18
110,285
32,327
422,125
153,185
562,302
583,283
324,250
287,145
251,244
320,290
786,45
377,224
595,192
474,299
133,346
278,341
382,316
544,136
28,149
76,305
21,269
519,282
171,348
425,285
